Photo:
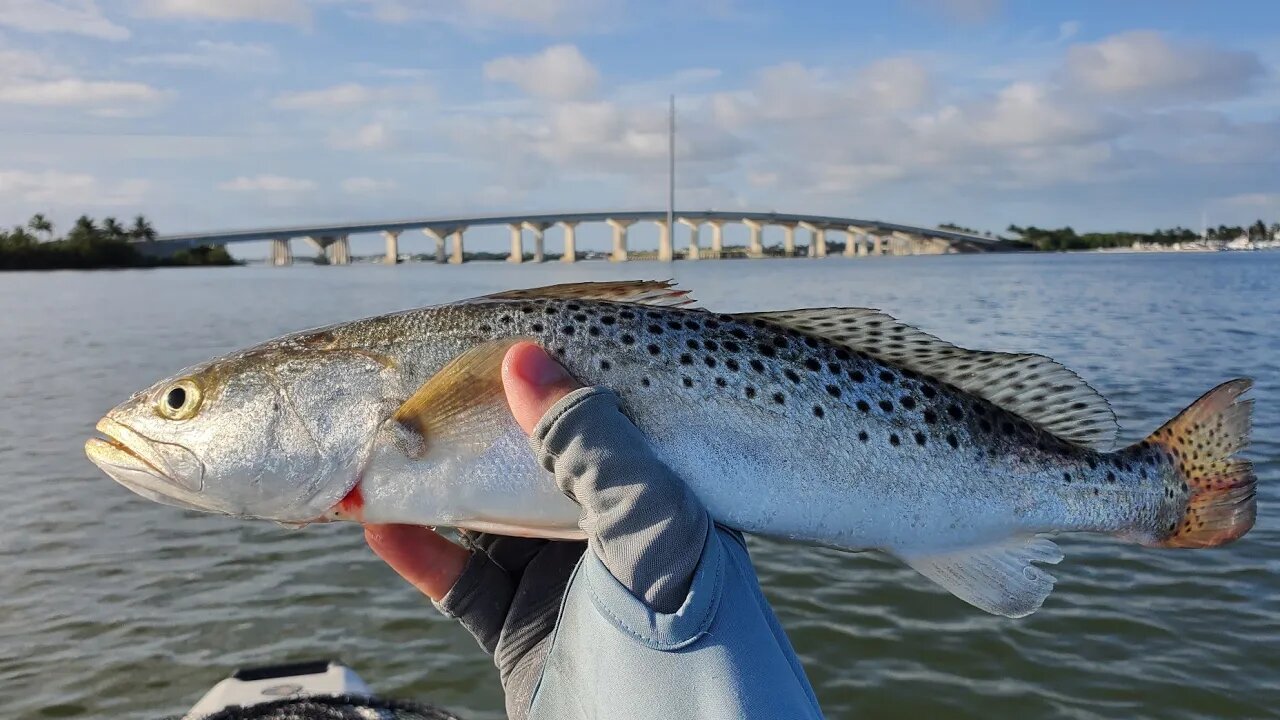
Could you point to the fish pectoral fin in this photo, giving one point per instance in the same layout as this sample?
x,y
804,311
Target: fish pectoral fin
x,y
463,405
999,578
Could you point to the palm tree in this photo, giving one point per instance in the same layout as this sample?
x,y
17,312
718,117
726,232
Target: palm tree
x,y
142,230
113,229
41,224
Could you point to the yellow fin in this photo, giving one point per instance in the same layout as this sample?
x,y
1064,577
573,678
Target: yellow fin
x,y
1033,386
640,292
457,405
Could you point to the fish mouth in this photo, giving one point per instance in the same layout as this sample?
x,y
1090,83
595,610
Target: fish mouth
x,y
147,467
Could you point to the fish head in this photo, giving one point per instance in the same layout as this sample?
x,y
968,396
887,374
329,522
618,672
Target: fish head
x,y
277,432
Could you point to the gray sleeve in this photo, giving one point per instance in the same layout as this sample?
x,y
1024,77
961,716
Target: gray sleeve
x,y
641,520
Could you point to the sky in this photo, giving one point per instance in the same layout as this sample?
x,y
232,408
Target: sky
x,y
221,114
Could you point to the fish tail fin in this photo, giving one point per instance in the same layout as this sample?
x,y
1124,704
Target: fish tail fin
x,y
1221,489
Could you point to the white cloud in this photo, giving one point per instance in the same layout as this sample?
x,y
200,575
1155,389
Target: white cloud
x,y
1145,65
558,73
555,17
292,12
215,55
348,94
267,183
108,96
61,189
367,186
76,17
373,136
1068,29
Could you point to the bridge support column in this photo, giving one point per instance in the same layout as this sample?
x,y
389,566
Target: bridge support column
x,y
665,251
717,239
619,238
851,241
862,244
457,256
438,236
817,240
788,239
339,251
539,239
694,228
393,247
877,245
281,255
755,244
517,243
570,241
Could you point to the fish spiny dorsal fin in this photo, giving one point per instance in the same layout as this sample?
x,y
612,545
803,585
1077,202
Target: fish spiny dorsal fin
x,y
1032,386
640,292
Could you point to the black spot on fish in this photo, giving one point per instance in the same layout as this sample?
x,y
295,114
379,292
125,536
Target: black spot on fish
x,y
721,382
863,406
833,391
573,306
955,412
710,345
485,329
731,364
757,365
1111,477
674,324
811,343
842,354
627,315
628,339
813,364
537,327
767,350
863,436
580,317
908,402
644,381
920,439
857,376
886,406
686,359
779,398
732,346
688,381
568,330
791,375
1066,477
593,331
780,342
893,440
886,376
818,411
833,368
929,391
653,349
549,310
710,361
692,344
691,325
952,441
606,365
739,333
608,319
930,417
655,329
750,391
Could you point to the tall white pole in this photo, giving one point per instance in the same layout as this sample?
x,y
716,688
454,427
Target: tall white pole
x,y
671,167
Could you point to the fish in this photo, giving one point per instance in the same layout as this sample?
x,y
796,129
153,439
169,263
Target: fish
x,y
839,427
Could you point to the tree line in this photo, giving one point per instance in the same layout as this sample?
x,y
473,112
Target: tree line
x,y
90,244
1067,238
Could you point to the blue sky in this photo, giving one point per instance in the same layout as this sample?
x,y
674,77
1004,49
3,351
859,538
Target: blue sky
x,y
212,114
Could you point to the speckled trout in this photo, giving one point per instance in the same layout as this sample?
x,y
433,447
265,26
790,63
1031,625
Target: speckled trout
x,y
836,426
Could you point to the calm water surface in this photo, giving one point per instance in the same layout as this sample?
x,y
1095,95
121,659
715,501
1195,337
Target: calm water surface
x,y
111,606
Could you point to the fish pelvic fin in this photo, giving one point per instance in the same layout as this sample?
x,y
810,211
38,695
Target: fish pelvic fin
x,y
1000,577
1202,442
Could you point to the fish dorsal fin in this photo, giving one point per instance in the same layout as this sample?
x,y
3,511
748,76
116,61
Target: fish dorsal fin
x,y
640,292
457,406
999,578
1034,387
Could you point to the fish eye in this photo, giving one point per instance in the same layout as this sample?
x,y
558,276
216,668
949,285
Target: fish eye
x,y
180,400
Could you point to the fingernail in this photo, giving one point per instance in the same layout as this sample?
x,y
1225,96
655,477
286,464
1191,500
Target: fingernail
x,y
539,369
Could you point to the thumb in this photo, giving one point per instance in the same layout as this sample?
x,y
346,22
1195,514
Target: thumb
x,y
533,382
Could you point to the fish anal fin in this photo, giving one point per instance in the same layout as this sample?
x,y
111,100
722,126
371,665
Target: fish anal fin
x,y
1001,578
1034,387
457,405
640,292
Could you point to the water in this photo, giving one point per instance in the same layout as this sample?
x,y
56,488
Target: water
x,y
111,606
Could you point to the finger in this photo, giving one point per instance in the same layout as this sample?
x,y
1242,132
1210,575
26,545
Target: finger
x,y
533,382
420,555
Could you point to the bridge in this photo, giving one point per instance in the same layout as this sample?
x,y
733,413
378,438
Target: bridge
x,y
861,237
